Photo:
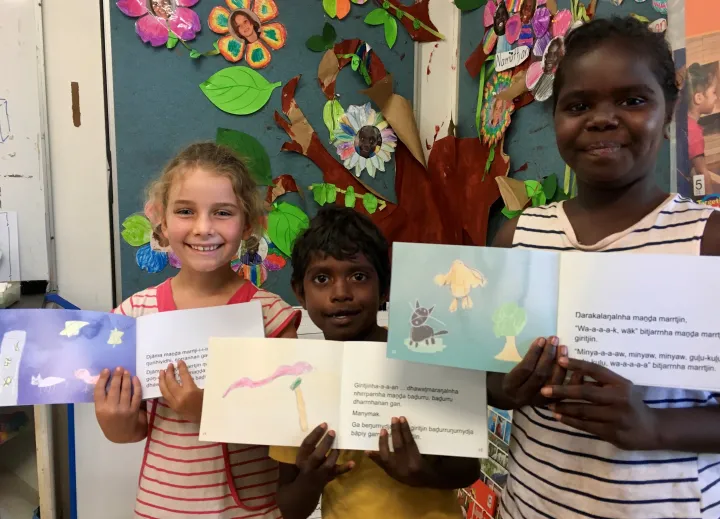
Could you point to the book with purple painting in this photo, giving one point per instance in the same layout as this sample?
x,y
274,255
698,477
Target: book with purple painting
x,y
56,356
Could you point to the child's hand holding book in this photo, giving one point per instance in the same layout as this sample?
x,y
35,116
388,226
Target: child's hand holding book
x,y
185,398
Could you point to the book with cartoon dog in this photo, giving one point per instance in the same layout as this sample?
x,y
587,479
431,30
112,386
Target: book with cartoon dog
x,y
481,308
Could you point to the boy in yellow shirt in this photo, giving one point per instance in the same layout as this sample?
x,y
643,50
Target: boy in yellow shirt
x,y
341,276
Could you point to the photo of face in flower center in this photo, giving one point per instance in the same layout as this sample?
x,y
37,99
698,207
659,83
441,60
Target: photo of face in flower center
x,y
367,140
553,55
161,8
245,25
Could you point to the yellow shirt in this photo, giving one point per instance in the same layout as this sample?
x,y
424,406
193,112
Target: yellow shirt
x,y
368,492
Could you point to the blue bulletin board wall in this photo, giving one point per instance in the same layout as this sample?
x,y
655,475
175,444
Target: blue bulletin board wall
x,y
159,108
530,140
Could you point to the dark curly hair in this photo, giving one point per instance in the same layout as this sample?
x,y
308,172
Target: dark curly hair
x,y
635,37
341,233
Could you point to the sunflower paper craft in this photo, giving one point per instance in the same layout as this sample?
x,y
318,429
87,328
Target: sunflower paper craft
x,y
247,31
364,140
496,112
501,29
156,18
256,257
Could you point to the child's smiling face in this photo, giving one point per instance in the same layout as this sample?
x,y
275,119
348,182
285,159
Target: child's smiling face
x,y
706,100
610,116
342,297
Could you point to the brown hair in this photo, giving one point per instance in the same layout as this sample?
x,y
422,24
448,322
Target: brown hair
x,y
221,160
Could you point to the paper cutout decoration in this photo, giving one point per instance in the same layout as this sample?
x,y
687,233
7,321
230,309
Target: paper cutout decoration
x,y
326,193
660,6
518,194
382,17
332,112
153,254
541,74
247,31
257,256
415,18
364,140
324,41
285,223
501,29
660,25
511,59
496,112
253,153
158,20
339,8
238,90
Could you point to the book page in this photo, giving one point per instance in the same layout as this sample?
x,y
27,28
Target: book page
x,y
650,318
168,337
445,407
470,307
270,391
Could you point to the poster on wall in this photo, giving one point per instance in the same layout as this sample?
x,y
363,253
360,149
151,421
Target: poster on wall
x,y
698,115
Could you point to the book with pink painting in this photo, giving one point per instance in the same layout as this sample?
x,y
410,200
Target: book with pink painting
x,y
275,391
56,356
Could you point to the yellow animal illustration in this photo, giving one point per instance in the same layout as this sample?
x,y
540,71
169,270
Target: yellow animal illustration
x,y
461,279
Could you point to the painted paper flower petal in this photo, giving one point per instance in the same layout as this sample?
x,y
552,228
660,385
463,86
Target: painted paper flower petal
x,y
266,10
218,20
512,29
152,30
274,262
231,49
534,73
257,55
543,89
185,23
173,260
238,4
542,44
561,23
541,21
489,13
133,8
255,274
186,3
274,34
527,37
149,260
342,8
489,41
503,45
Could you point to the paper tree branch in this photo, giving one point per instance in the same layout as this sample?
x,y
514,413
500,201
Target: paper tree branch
x,y
415,18
330,65
306,142
513,193
281,185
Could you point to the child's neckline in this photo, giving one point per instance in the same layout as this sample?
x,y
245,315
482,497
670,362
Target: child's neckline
x,y
166,300
646,221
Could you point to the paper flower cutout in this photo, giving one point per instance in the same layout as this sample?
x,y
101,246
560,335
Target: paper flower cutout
x,y
154,252
339,8
541,74
248,33
364,140
156,18
501,29
496,112
257,257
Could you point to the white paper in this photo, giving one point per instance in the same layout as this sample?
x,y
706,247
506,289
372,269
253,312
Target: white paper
x,y
167,337
651,319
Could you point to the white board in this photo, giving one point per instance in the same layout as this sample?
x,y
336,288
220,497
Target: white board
x,y
23,134
9,248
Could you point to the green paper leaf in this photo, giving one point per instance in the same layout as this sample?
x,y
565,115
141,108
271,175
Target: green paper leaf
x,y
316,44
238,90
490,159
319,192
377,17
370,202
550,185
330,7
510,214
560,195
195,55
391,31
332,112
350,197
172,40
329,33
285,223
532,187
250,149
469,5
331,193
136,230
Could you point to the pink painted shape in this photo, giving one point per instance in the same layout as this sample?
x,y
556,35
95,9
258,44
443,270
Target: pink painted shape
x,y
296,369
513,28
489,13
85,376
534,73
561,23
133,8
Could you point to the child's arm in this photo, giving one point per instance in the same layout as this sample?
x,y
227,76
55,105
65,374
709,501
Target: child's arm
x,y
406,465
120,410
700,166
301,485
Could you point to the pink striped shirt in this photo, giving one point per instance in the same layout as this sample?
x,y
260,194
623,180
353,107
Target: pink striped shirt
x,y
184,477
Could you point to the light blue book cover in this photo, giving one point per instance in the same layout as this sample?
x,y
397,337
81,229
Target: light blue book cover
x,y
470,307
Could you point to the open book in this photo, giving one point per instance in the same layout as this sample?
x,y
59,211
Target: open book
x,y
275,391
56,356
639,315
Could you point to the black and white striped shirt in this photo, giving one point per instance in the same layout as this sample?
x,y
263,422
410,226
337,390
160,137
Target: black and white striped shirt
x,y
559,472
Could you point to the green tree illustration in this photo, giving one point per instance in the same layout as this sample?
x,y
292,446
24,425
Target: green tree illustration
x,y
509,320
